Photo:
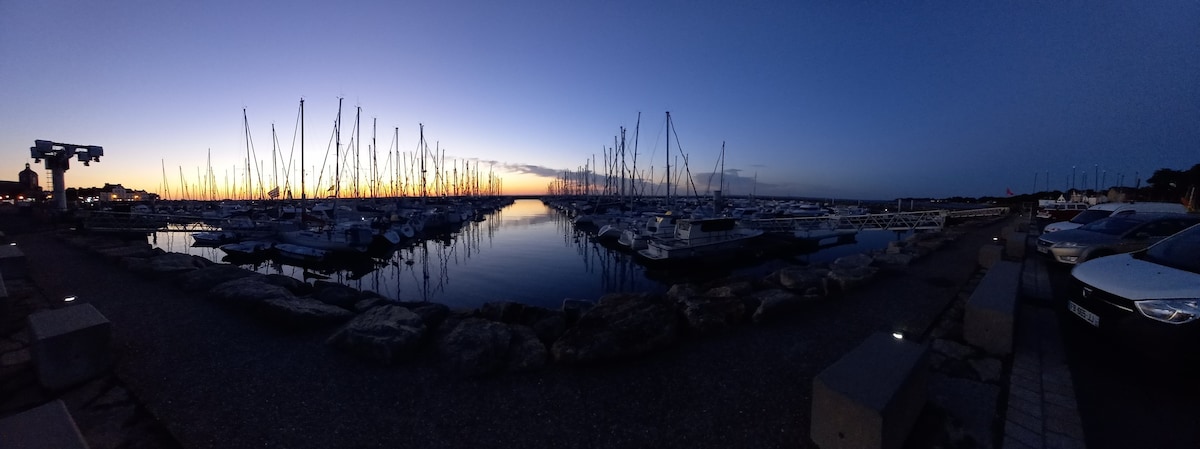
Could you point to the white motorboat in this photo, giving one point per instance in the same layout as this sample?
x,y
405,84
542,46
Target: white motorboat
x,y
342,239
656,227
695,238
248,248
301,252
213,238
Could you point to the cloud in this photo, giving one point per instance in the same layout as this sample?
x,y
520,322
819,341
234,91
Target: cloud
x,y
530,169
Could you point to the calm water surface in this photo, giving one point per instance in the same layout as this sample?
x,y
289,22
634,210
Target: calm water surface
x,y
526,252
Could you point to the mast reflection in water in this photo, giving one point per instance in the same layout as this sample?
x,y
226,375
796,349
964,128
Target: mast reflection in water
x,y
527,253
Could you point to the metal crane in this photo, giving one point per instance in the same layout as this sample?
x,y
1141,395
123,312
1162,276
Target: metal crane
x,y
58,160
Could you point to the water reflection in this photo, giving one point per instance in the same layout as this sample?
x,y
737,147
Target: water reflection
x,y
526,252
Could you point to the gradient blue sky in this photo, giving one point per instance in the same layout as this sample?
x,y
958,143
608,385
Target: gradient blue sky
x,y
823,99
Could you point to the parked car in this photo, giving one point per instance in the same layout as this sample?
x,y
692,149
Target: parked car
x,y
1112,209
1112,235
1149,299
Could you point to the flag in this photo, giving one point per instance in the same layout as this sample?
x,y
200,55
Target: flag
x,y
1009,191
274,193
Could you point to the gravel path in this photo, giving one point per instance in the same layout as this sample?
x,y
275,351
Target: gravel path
x,y
219,379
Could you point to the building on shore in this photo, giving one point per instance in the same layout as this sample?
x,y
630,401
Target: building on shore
x,y
26,188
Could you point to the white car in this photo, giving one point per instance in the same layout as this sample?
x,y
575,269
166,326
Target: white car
x,y
1150,298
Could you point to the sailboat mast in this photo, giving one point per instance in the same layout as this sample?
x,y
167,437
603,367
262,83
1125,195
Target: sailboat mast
x,y
722,166
633,177
668,157
274,167
337,153
246,129
303,193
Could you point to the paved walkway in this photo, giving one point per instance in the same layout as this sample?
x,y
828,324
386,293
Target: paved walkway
x,y
1042,411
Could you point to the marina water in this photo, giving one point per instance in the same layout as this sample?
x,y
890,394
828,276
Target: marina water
x,y
526,252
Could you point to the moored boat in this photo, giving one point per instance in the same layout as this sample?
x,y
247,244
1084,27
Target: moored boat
x,y
696,238
248,248
213,238
301,252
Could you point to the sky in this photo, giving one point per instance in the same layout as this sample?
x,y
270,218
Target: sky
x,y
838,99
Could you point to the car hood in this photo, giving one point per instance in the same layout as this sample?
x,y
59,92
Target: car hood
x,y
1060,226
1136,279
1079,236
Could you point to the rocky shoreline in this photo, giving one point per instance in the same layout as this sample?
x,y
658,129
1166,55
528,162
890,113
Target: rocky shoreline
x,y
507,336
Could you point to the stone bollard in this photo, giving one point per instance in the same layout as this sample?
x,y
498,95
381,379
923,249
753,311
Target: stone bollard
x,y
48,426
1014,245
991,309
4,302
872,396
989,254
70,345
12,262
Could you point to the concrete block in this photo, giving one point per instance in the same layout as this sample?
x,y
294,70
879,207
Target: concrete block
x,y
4,301
48,426
989,255
1014,246
871,397
991,309
12,262
70,345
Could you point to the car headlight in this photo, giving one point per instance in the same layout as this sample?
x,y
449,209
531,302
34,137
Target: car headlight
x,y
1173,311
1066,245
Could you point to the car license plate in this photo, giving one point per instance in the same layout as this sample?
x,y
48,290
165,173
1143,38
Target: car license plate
x,y
1081,312
1043,249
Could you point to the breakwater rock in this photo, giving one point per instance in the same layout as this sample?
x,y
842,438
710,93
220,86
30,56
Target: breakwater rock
x,y
503,335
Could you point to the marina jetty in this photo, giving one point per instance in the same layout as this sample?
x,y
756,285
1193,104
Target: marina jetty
x,y
213,355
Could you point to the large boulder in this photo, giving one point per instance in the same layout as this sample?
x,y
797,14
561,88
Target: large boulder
x,y
706,314
249,291
572,309
476,347
680,291
296,286
525,350
802,278
203,279
302,313
166,265
384,334
336,294
774,303
431,313
621,325
502,311
851,262
893,259
846,279
550,328
731,290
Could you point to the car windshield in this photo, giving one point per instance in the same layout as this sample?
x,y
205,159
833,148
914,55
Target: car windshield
x,y
1181,251
1089,216
1111,225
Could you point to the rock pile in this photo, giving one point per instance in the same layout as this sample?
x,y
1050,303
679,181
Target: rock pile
x,y
508,336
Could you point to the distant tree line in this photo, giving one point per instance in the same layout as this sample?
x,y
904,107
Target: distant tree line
x,y
1165,185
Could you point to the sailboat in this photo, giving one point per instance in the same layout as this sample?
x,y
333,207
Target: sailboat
x,y
335,238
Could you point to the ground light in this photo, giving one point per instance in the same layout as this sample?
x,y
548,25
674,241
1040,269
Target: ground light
x,y
69,298
898,335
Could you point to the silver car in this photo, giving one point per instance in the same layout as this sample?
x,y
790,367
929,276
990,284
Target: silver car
x,y
1113,235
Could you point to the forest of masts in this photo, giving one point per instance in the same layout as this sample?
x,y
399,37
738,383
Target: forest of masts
x,y
621,177
422,173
